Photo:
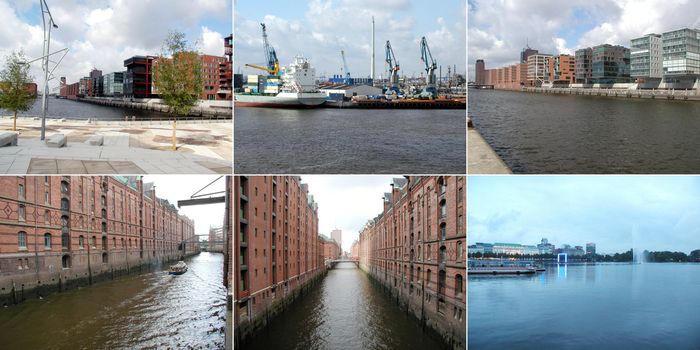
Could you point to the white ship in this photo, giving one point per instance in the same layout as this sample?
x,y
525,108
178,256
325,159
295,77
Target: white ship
x,y
298,89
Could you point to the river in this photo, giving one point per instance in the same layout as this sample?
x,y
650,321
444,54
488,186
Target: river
x,y
349,141
545,134
594,306
150,311
344,311
68,109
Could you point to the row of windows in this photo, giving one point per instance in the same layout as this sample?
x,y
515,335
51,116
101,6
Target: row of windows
x,y
65,241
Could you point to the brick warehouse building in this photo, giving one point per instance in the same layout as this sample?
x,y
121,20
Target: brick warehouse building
x,y
277,248
416,249
57,232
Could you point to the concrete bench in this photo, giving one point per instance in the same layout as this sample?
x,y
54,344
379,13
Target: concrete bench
x,y
56,141
95,140
8,139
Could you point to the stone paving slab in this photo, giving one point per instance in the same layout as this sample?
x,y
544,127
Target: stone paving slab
x,y
481,157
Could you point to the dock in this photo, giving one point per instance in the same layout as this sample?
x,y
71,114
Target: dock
x,y
399,104
481,157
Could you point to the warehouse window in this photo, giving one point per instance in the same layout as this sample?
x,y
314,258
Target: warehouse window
x,y
47,240
22,240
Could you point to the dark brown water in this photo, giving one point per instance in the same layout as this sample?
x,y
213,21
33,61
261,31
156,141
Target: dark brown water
x,y
344,311
545,134
150,311
349,141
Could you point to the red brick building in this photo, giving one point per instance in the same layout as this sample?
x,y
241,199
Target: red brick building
x,y
277,249
57,232
226,71
331,249
417,249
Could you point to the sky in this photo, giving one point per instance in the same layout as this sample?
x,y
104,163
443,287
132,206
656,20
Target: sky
x,y
103,33
500,29
617,213
179,187
320,29
347,202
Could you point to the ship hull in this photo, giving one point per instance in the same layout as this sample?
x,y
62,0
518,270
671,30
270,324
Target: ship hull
x,y
282,100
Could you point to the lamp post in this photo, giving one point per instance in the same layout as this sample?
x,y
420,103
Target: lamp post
x,y
48,25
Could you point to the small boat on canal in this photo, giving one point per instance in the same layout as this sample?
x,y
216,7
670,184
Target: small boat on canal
x,y
178,269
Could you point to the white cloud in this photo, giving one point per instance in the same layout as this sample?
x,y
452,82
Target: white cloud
x,y
103,33
499,29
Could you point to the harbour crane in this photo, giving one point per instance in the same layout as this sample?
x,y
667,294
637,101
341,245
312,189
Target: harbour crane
x,y
393,68
273,64
345,66
430,66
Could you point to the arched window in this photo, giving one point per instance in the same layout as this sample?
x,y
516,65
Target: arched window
x,y
65,240
65,261
104,258
21,212
22,240
443,254
47,217
459,285
427,277
93,242
47,240
114,242
441,282
81,242
104,242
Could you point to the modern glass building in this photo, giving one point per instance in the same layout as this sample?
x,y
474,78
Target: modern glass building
x,y
538,68
646,57
610,64
681,53
583,65
113,84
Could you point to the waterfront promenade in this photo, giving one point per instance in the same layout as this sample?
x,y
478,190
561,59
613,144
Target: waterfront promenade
x,y
482,158
129,148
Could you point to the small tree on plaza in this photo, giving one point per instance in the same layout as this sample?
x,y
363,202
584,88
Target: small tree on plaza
x,y
14,79
178,74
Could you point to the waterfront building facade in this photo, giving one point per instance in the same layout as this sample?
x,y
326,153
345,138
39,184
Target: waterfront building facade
x,y
538,68
113,84
59,232
545,247
646,59
480,70
416,250
277,248
590,248
610,64
681,58
562,69
515,249
526,53
331,249
138,79
583,59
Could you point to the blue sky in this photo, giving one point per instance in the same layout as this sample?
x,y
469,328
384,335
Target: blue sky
x,y
615,212
102,33
499,29
319,29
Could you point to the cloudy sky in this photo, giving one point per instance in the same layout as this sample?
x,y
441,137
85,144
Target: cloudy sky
x,y
102,33
499,29
615,212
179,187
319,29
347,202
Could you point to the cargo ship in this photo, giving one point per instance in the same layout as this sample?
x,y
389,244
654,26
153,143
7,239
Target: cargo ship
x,y
295,88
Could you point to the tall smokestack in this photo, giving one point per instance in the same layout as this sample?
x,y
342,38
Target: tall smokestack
x,y
372,58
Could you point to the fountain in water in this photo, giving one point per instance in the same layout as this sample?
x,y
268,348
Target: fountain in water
x,y
637,252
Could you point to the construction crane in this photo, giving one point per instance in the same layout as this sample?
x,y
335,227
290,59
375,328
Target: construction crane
x,y
273,64
430,66
345,66
393,68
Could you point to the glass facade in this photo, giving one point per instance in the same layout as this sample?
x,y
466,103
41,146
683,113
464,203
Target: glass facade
x,y
610,64
646,56
681,52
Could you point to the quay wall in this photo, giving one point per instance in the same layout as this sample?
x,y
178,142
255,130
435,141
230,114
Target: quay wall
x,y
680,95
206,109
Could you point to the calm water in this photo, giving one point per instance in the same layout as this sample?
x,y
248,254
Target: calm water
x,y
344,311
150,311
349,141
537,133
61,108
603,306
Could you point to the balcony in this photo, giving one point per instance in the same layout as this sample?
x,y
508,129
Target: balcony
x,y
242,192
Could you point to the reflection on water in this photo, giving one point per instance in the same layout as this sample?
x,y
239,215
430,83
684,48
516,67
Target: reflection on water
x,y
344,311
588,306
149,311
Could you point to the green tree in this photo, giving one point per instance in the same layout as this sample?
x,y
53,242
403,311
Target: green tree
x,y
14,79
178,74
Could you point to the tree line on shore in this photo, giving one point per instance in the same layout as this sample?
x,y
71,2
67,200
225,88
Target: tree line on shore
x,y
628,256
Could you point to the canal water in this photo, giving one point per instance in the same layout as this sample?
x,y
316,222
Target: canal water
x,y
594,306
349,141
68,109
149,311
344,311
538,133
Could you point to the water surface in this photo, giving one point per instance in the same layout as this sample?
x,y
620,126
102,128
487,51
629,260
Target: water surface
x,y
595,306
